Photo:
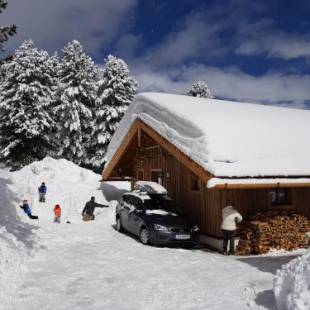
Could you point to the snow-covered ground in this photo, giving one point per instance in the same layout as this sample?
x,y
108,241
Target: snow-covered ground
x,y
89,265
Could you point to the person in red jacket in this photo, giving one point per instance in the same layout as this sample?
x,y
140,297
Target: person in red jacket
x,y
57,212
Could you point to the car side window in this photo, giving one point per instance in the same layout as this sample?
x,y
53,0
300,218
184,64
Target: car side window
x,y
139,204
134,201
125,198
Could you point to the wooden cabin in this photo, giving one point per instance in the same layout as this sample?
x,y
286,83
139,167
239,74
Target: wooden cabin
x,y
153,144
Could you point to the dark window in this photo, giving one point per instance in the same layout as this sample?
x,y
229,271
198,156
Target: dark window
x,y
156,176
125,198
128,199
280,197
140,175
194,183
137,202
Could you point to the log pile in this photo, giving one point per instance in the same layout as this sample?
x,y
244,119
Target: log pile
x,y
279,230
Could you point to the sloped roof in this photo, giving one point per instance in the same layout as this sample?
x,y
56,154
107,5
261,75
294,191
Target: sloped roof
x,y
228,139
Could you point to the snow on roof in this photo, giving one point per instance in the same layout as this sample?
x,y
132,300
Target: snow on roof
x,y
150,187
228,139
142,195
213,182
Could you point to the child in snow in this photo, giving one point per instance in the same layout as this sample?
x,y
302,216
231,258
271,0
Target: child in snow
x,y
42,192
27,210
57,212
230,217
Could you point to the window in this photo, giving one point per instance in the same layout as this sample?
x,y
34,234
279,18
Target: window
x,y
137,202
194,183
280,197
156,176
140,174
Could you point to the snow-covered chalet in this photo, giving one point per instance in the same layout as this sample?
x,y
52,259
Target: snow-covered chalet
x,y
205,151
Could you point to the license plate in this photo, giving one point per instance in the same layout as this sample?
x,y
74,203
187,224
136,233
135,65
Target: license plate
x,y
182,237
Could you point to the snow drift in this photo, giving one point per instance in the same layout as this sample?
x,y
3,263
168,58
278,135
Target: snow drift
x,y
292,284
228,139
68,185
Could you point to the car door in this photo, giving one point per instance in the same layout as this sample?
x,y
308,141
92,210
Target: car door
x,y
124,212
135,215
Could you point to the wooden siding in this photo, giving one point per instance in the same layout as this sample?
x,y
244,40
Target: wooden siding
x,y
302,201
203,207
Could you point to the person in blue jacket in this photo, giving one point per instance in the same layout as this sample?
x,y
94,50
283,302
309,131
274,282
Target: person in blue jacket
x,y
27,210
42,192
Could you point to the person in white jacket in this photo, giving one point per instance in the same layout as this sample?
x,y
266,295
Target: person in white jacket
x,y
230,218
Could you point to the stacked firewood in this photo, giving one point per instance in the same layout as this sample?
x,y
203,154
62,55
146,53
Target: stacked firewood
x,y
279,230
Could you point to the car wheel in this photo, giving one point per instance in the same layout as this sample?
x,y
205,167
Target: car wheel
x,y
144,236
119,226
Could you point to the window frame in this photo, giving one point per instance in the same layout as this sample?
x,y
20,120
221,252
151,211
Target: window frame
x,y
287,203
140,170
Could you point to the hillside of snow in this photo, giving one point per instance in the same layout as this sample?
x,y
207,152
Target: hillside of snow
x,y
90,266
68,185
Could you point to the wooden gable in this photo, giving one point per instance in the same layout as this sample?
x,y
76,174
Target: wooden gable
x,y
135,133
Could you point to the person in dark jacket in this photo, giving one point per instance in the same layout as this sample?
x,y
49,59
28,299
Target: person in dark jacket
x,y
88,211
27,210
42,192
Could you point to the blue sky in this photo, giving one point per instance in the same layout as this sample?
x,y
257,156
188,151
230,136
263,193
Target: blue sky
x,y
257,51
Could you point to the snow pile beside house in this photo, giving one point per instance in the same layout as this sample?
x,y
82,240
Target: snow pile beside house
x,y
226,138
68,185
292,284
63,180
14,237
12,256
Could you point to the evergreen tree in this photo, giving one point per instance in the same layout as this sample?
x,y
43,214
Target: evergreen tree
x,y
116,90
5,31
25,97
200,89
75,101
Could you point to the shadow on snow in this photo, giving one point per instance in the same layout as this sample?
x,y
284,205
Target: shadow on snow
x,y
267,263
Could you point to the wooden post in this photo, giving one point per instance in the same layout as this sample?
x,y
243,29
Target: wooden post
x,y
139,137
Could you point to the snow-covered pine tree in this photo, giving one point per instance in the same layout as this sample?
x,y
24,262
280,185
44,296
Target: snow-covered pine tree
x,y
5,31
200,89
26,93
75,101
116,90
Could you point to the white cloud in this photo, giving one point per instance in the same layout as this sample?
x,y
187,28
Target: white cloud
x,y
275,44
195,37
230,83
51,24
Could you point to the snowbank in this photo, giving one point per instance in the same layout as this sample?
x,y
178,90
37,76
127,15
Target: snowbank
x,y
292,284
16,238
228,139
12,256
68,185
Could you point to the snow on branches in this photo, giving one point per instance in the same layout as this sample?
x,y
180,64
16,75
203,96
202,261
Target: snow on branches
x,y
75,100
26,93
5,31
60,107
200,89
116,90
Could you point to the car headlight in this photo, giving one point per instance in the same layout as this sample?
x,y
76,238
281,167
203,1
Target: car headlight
x,y
161,228
195,228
